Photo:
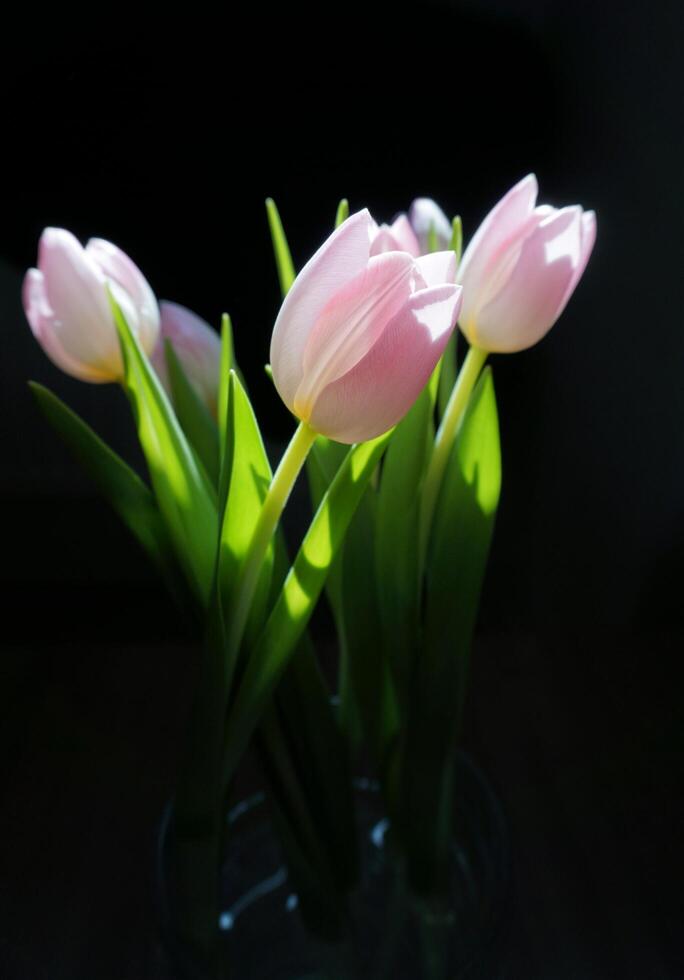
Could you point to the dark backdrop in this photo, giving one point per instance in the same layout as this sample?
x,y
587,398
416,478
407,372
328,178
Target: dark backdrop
x,y
166,138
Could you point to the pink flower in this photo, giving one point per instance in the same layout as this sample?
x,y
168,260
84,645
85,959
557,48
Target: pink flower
x,y
424,215
397,237
521,268
197,347
66,303
412,234
359,334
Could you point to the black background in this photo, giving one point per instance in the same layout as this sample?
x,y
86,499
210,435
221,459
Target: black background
x,y
166,138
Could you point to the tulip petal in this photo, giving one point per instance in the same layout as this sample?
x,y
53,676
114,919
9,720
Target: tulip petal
x,y
404,235
41,318
342,256
117,266
587,240
383,241
76,291
383,385
72,278
438,268
424,215
533,297
497,268
397,237
197,347
501,224
351,323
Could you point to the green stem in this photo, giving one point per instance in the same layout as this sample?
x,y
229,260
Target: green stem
x,y
271,510
444,440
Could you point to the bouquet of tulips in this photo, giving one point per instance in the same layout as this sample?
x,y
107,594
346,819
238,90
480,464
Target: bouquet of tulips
x,y
398,433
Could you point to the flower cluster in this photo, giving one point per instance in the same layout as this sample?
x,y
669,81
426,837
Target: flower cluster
x,y
365,322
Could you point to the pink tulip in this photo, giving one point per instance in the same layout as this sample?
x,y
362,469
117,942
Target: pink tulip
x,y
359,334
197,347
397,237
425,215
521,268
68,309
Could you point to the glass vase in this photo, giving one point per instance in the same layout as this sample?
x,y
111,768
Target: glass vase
x,y
392,934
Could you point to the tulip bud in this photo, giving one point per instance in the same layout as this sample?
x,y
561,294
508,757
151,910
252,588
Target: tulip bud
x,y
397,237
521,268
197,347
426,216
359,333
68,309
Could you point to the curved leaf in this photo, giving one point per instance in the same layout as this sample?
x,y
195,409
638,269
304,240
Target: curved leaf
x,y
248,480
284,264
342,212
300,592
121,486
184,496
397,541
456,564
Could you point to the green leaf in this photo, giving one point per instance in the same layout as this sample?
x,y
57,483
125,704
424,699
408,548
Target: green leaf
x,y
448,373
121,486
322,465
449,361
456,244
432,240
285,266
367,697
193,415
300,592
397,563
342,212
227,362
327,456
298,767
367,689
463,523
462,532
303,701
248,482
185,498
463,526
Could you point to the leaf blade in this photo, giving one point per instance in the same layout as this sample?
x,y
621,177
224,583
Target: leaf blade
x,y
342,212
464,522
248,481
124,490
299,594
397,540
227,362
281,249
185,499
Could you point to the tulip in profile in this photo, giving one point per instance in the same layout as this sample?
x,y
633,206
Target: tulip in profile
x,y
521,268
197,347
427,217
359,334
68,309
